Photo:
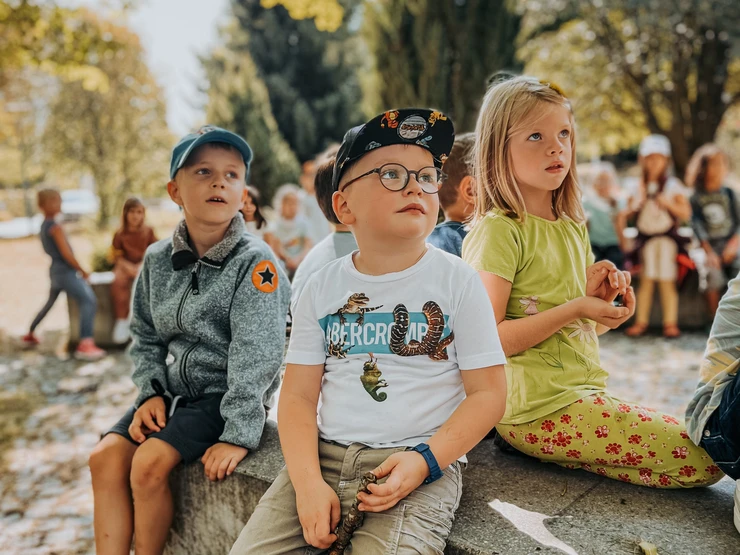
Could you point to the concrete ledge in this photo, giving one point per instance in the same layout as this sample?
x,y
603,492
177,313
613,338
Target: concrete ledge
x,y
589,513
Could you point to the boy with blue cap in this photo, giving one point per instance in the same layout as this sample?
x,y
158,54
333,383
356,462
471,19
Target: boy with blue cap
x,y
214,298
395,346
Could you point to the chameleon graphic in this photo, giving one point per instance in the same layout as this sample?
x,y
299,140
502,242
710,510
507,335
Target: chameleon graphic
x,y
338,350
371,379
433,344
356,304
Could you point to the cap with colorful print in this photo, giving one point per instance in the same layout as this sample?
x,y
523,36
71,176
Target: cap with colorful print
x,y
428,129
204,135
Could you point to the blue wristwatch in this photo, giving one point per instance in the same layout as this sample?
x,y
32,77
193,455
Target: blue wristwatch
x,y
434,472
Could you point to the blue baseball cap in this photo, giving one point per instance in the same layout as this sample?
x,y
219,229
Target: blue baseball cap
x,y
204,135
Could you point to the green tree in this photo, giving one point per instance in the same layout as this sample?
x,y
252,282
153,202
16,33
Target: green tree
x,y
238,100
437,53
633,67
310,74
118,135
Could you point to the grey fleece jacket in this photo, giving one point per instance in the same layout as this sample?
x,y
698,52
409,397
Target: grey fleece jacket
x,y
222,320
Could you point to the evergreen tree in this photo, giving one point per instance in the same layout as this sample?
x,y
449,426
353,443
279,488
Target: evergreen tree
x,y
238,101
310,75
438,53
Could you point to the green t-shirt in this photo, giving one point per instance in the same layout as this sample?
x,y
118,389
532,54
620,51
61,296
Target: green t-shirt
x,y
546,264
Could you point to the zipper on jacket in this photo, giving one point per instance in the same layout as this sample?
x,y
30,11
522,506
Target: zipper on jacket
x,y
183,364
194,278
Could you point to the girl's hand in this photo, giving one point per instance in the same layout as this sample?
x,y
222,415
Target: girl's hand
x,y
605,281
319,512
604,312
406,471
221,459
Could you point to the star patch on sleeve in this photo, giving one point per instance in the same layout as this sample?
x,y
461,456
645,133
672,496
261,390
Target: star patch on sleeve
x,y
265,277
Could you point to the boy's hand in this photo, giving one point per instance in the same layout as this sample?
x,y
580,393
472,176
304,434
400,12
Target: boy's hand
x,y
713,261
730,252
406,471
148,418
606,314
605,281
319,511
221,459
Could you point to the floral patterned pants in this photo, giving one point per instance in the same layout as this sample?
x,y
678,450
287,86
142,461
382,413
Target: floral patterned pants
x,y
619,440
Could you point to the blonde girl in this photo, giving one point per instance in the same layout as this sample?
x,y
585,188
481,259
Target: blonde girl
x,y
531,249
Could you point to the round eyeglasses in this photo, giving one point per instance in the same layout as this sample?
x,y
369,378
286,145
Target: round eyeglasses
x,y
395,177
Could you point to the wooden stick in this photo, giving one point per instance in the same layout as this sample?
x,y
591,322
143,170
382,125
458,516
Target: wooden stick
x,y
354,518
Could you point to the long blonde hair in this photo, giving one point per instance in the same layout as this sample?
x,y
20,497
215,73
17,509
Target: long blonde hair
x,y
507,107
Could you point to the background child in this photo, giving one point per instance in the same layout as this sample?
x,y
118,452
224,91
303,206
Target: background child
x,y
659,206
713,415
252,212
66,275
213,297
602,206
715,218
129,244
337,244
552,302
406,411
456,197
289,234
318,226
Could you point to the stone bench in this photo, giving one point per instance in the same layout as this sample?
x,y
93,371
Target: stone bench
x,y
590,514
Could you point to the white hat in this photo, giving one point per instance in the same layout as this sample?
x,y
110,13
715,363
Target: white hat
x,y
655,144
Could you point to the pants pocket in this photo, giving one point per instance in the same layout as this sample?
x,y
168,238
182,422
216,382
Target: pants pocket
x,y
423,529
723,454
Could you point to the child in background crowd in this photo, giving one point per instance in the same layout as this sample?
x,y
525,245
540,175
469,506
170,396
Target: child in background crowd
x,y
339,243
66,275
456,197
602,206
318,227
659,206
129,244
289,233
715,219
252,212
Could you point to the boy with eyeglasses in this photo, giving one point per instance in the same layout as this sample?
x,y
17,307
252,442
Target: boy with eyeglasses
x,y
399,342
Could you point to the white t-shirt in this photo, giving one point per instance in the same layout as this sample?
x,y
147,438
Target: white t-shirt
x,y
318,225
375,390
291,234
252,228
330,248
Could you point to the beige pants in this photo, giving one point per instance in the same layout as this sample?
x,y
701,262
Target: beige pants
x,y
420,523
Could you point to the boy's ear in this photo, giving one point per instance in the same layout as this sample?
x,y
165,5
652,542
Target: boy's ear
x,y
173,190
245,194
341,208
467,189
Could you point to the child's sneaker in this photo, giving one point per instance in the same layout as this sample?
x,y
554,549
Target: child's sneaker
x,y
737,505
120,332
87,350
30,340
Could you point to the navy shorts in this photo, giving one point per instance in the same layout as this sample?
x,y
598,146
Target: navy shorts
x,y
195,426
721,438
